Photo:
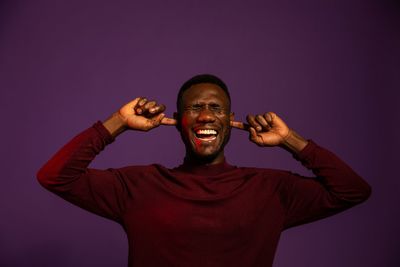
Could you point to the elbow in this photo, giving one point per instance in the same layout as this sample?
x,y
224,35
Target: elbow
x,y
42,178
55,180
359,194
365,193
353,195
364,190
45,178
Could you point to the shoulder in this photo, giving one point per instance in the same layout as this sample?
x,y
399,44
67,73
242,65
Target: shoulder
x,y
141,175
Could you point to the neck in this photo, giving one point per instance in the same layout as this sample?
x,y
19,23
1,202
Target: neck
x,y
200,161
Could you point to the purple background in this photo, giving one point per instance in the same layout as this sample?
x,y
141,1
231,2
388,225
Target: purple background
x,y
329,68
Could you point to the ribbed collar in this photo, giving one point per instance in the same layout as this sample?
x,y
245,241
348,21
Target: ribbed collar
x,y
205,169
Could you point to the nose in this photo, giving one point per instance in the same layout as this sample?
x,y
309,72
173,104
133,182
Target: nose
x,y
206,115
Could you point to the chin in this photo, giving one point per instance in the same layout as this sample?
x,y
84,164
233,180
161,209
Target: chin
x,y
203,151
206,158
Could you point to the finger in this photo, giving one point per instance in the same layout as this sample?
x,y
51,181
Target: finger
x,y
149,105
253,123
168,121
145,109
261,120
134,102
240,125
157,109
157,119
139,106
153,122
253,135
275,120
142,102
269,116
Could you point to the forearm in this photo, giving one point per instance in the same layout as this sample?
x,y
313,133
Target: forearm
x,y
73,159
335,188
67,175
338,178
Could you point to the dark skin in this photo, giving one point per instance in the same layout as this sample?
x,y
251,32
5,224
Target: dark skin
x,y
205,107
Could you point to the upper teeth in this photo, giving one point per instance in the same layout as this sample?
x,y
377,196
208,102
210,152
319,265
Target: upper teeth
x,y
206,131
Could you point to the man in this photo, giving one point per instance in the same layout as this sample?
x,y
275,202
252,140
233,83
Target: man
x,y
205,212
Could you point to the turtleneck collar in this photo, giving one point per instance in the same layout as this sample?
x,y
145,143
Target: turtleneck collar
x,y
205,169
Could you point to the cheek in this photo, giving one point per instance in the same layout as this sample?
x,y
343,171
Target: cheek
x,y
184,122
185,125
197,143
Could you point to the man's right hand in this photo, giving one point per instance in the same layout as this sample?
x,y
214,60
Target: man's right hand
x,y
139,114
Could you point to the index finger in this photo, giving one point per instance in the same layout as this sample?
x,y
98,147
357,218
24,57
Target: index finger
x,y
240,125
168,121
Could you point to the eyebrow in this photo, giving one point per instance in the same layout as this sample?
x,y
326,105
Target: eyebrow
x,y
214,103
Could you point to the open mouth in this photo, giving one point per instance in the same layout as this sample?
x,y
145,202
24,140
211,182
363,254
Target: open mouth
x,y
206,134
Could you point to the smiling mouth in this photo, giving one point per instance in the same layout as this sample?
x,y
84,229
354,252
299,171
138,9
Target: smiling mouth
x,y
206,134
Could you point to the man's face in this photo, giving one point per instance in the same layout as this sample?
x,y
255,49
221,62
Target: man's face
x,y
205,121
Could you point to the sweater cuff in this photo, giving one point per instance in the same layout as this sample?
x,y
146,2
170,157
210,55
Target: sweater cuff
x,y
307,152
103,132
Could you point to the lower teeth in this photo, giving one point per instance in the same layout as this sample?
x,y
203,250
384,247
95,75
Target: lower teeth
x,y
206,137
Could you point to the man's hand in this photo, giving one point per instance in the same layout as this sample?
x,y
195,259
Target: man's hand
x,y
143,115
270,130
267,129
139,114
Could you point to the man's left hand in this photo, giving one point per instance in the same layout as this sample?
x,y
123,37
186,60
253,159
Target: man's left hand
x,y
265,130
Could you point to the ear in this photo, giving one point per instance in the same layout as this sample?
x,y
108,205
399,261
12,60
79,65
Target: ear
x,y
232,116
178,123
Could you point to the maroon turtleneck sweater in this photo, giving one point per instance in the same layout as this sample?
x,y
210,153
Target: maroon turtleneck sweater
x,y
217,215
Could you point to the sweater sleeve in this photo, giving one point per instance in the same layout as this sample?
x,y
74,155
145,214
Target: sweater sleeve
x,y
335,188
67,174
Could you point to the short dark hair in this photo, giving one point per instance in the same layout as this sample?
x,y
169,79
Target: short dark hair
x,y
201,78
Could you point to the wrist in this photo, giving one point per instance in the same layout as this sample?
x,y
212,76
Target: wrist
x,y
293,142
115,124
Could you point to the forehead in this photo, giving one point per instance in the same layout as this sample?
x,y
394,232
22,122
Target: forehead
x,y
205,92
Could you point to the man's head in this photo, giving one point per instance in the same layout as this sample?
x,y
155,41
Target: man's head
x,y
202,78
203,114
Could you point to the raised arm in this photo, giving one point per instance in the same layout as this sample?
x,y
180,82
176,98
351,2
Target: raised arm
x,y
335,186
99,191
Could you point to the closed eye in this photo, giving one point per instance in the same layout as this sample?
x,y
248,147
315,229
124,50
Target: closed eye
x,y
216,108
